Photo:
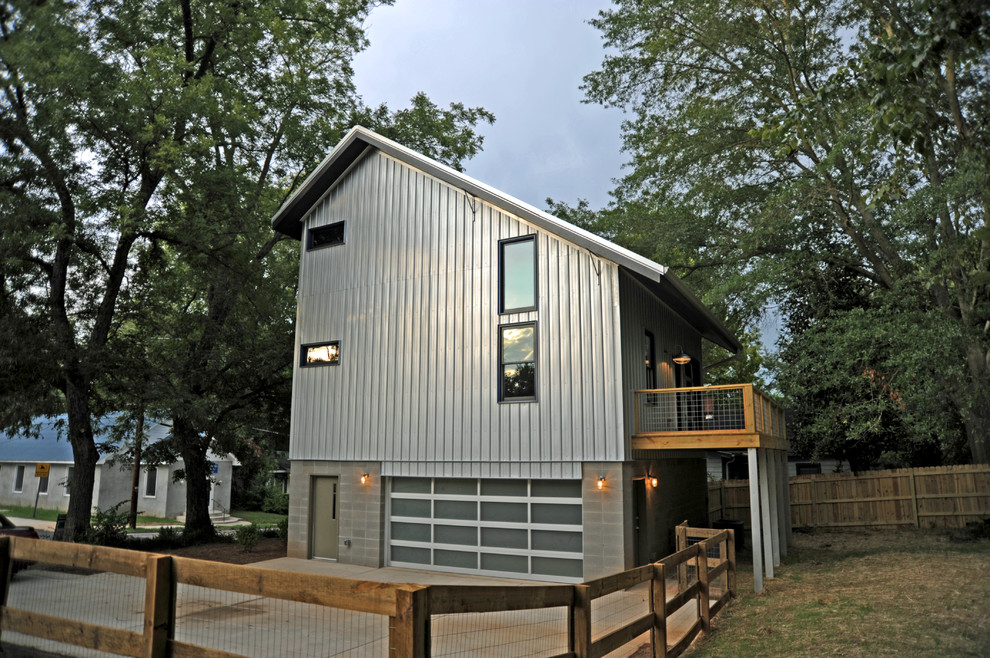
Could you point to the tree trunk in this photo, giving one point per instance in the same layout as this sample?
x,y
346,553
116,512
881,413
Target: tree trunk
x,y
85,456
193,449
977,417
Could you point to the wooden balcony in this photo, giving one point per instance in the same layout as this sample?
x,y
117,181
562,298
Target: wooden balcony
x,y
707,418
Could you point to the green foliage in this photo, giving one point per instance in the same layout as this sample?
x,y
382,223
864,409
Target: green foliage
x,y
247,536
275,501
109,526
829,147
168,537
283,529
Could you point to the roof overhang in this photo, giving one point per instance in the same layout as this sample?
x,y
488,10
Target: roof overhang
x,y
360,141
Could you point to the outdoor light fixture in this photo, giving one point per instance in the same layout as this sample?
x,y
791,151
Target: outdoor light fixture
x,y
654,482
601,482
364,478
682,359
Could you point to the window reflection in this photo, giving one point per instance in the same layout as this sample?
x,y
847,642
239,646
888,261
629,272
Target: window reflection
x,y
518,274
518,362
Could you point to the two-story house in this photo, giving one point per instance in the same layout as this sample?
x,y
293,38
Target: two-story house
x,y
463,395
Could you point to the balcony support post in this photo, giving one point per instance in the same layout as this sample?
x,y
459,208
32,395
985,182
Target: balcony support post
x,y
764,486
754,519
773,478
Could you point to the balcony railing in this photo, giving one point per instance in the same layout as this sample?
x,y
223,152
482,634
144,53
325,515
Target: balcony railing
x,y
731,410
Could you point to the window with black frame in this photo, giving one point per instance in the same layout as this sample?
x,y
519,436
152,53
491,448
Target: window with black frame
x,y
517,361
517,274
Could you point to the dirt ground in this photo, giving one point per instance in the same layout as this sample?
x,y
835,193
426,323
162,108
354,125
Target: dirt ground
x,y
268,548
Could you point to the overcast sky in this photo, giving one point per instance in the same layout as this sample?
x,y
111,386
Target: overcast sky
x,y
522,60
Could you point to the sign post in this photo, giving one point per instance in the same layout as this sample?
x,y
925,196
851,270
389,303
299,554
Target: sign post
x,y
40,471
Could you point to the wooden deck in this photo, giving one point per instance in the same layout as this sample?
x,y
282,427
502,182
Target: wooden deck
x,y
733,416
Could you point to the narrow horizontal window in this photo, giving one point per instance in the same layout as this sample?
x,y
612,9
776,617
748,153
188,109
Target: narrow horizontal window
x,y
326,236
321,354
517,274
517,362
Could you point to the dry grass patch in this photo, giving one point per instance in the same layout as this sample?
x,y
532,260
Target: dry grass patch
x,y
860,593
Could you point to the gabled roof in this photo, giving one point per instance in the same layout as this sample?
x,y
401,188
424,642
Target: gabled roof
x,y
359,141
52,446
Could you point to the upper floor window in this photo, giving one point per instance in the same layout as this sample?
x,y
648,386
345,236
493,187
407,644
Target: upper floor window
x,y
517,274
650,358
321,354
517,362
325,236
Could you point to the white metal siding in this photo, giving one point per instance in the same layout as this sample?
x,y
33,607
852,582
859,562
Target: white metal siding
x,y
412,297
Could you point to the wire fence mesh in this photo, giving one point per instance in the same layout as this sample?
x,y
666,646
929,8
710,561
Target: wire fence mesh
x,y
540,632
81,595
266,627
691,410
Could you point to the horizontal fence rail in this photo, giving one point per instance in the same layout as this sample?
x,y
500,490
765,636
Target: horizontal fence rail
x,y
729,409
673,600
935,497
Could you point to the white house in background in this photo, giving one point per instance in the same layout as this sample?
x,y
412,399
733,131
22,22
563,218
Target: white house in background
x,y
733,465
463,393
159,495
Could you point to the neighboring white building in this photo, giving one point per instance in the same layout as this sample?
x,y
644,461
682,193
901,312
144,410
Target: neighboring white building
x,y
462,394
159,495
733,465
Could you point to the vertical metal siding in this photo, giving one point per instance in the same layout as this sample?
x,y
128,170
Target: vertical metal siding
x,y
642,311
412,296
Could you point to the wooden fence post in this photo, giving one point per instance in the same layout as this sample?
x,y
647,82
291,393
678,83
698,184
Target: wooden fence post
x,y
6,568
704,606
581,622
730,553
914,500
408,629
659,593
159,606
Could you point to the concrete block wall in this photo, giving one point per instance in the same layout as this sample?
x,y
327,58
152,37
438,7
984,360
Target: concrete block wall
x,y
361,510
681,494
607,535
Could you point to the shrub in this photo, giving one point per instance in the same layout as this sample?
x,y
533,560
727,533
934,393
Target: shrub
x,y
275,500
109,526
168,537
247,536
283,529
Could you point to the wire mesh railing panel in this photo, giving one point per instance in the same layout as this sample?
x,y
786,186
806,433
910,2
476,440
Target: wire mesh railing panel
x,y
690,410
81,595
540,632
259,626
613,611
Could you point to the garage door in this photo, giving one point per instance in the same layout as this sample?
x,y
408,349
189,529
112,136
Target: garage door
x,y
510,528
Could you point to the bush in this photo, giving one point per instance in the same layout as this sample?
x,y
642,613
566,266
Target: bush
x,y
247,536
283,529
275,501
168,537
109,526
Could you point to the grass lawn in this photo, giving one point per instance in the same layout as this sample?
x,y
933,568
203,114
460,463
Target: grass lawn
x,y
862,593
24,512
260,518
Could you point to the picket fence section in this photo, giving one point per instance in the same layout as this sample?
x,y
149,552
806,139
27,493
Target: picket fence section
x,y
935,497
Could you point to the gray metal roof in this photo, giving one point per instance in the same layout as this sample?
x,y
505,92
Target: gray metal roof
x,y
663,283
52,445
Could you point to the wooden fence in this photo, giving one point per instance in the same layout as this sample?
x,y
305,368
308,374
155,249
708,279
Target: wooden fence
x,y
685,590
936,497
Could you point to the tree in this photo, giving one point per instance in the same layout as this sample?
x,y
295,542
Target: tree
x,y
141,141
785,141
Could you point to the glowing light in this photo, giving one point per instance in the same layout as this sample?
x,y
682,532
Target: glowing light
x,y
601,482
364,478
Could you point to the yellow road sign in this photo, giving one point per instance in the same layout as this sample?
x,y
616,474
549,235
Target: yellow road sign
x,y
42,470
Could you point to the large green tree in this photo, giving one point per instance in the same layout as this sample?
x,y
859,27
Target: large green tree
x,y
772,143
144,145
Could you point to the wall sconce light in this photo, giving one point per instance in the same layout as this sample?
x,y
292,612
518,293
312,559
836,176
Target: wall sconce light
x,y
601,482
654,481
364,478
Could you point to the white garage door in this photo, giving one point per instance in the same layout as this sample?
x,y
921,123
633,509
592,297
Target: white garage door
x,y
511,528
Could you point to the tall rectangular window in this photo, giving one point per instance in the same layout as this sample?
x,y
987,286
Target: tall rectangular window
x,y
19,479
68,480
517,362
650,358
43,485
151,482
321,354
517,274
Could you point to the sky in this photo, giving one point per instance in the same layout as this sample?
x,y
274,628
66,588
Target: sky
x,y
522,60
